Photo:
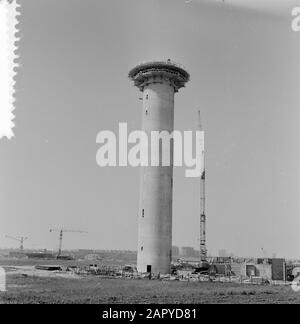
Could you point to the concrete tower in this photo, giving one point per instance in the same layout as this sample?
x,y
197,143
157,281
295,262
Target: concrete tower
x,y
158,81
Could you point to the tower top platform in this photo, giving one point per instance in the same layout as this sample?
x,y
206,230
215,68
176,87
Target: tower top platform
x,y
158,72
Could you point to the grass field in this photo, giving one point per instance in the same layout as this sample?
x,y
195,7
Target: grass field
x,y
51,289
93,289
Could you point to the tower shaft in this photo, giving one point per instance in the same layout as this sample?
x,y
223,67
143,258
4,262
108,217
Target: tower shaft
x,y
156,187
159,81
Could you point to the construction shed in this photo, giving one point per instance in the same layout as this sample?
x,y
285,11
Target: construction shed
x,y
270,269
278,269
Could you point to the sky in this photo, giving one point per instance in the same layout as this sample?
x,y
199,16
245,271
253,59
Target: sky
x,y
72,83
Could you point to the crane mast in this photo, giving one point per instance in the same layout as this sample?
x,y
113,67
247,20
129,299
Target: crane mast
x,y
20,239
203,249
60,242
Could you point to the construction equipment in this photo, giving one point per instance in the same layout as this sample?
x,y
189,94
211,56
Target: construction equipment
x,y
203,250
61,233
20,239
265,262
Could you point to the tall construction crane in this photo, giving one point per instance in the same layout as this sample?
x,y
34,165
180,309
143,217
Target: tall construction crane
x,y
61,233
203,249
20,239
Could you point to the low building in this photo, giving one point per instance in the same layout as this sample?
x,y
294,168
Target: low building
x,y
188,251
270,269
93,257
40,255
17,254
175,251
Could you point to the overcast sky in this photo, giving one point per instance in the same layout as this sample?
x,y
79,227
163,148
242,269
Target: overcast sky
x,y
75,56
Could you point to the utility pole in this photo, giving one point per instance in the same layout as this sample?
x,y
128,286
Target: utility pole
x,y
203,250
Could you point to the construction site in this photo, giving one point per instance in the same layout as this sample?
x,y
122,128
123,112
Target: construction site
x,y
155,259
122,264
112,277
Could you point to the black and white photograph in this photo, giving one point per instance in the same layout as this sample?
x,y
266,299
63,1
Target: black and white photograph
x,y
149,154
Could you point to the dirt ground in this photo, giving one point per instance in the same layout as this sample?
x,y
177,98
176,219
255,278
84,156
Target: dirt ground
x,y
96,290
